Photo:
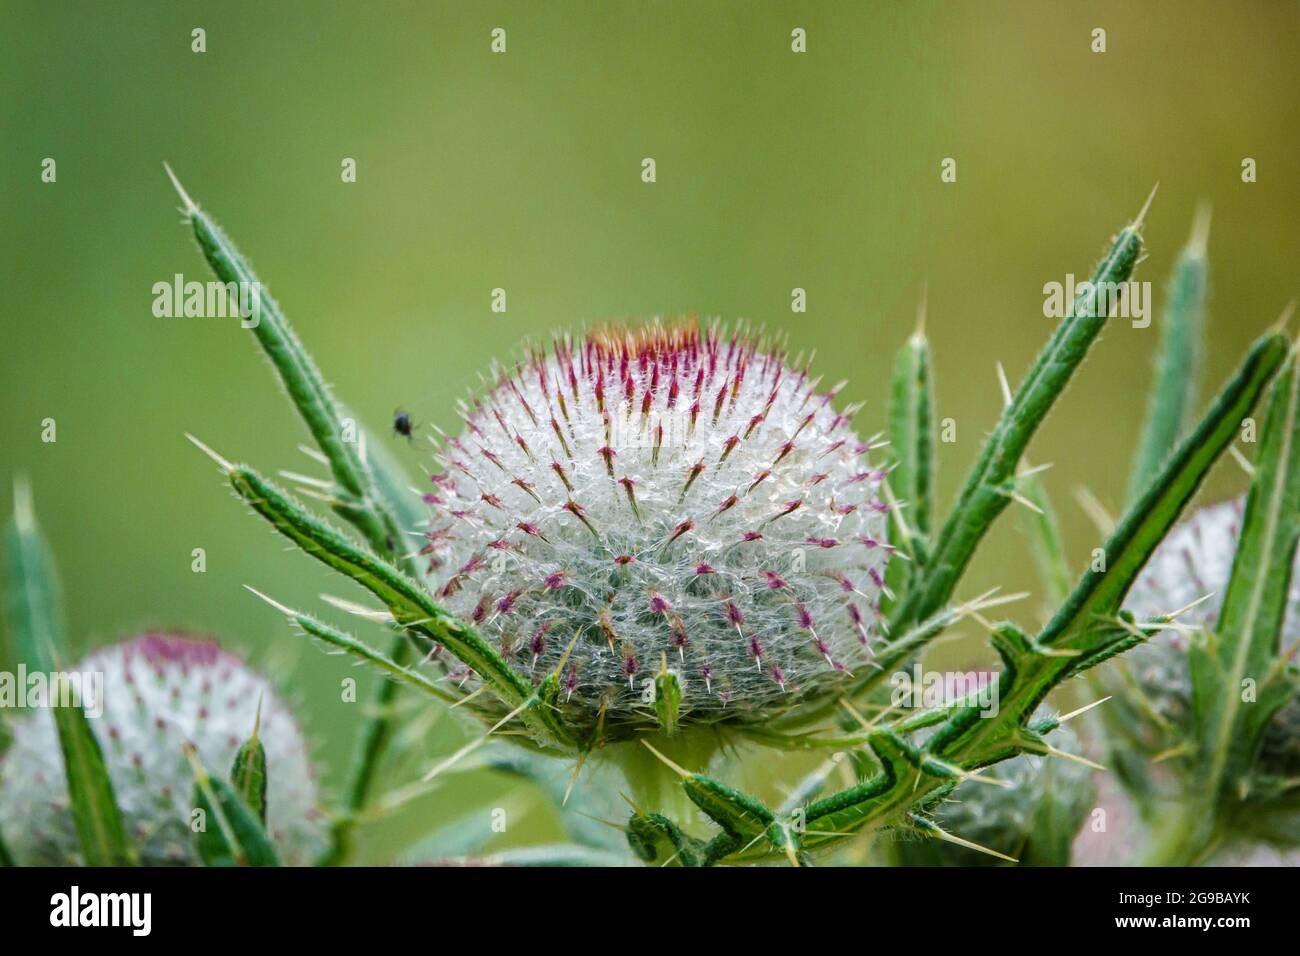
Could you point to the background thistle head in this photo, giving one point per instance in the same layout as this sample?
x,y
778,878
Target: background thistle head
x,y
1192,567
160,691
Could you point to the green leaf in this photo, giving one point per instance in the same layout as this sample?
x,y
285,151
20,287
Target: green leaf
x,y
372,493
737,813
34,596
1173,397
36,619
302,380
912,435
248,775
90,791
1140,531
1255,604
1085,627
1249,629
1084,630
808,788
990,484
350,645
859,806
231,834
656,839
410,604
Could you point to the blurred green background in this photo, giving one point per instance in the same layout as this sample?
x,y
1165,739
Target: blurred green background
x,y
775,170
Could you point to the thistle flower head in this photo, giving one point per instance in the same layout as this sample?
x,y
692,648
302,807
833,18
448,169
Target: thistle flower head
x,y
159,691
1195,560
663,500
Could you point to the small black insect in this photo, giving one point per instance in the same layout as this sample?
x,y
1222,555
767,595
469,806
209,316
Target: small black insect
x,y
402,424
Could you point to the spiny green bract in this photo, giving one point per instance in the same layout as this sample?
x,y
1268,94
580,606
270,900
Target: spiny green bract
x,y
159,691
1032,817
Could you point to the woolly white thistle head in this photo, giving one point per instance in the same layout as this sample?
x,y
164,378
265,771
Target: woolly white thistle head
x,y
663,500
159,691
1195,560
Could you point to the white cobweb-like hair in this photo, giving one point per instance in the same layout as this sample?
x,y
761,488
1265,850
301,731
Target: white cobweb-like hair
x,y
665,497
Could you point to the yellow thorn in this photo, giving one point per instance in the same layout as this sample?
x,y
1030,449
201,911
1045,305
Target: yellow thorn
x,y
24,512
1053,752
1094,510
226,466
986,600
564,658
1035,470
468,697
628,800
573,781
474,744
1005,386
968,844
298,479
1017,497
1242,460
1187,607
1141,216
1083,710
185,197
1171,753
358,610
272,601
961,774
854,712
257,719
1279,327
1058,651
896,509
1200,239
884,712
192,755
920,313
622,828
314,454
672,766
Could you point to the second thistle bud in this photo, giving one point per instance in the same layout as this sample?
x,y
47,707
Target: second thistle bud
x,y
1196,560
160,692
